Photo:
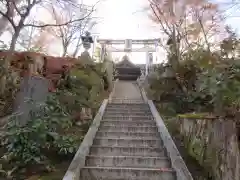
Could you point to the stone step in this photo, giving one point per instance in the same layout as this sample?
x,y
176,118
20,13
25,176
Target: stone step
x,y
127,142
127,134
128,161
125,128
133,106
121,97
138,98
127,117
128,123
117,113
127,151
126,97
127,110
109,173
127,101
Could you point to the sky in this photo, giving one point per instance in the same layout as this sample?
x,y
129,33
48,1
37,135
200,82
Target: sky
x,y
123,19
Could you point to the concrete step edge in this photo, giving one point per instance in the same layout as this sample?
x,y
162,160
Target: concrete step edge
x,y
128,121
142,105
127,139
142,157
129,147
129,169
128,132
127,112
102,125
128,116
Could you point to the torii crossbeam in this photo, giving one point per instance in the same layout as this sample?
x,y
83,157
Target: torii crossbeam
x,y
149,46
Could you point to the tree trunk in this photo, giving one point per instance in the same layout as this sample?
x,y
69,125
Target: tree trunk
x,y
3,80
17,30
14,40
64,51
205,35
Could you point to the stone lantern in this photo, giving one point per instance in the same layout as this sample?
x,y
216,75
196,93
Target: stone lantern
x,y
85,57
87,40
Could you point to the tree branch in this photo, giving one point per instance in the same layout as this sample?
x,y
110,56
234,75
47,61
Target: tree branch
x,y
16,8
7,15
57,25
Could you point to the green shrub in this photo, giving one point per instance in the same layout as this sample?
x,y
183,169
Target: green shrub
x,y
30,144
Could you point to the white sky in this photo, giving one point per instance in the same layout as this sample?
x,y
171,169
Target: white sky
x,y
122,19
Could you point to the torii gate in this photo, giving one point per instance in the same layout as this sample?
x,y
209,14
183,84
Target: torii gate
x,y
149,46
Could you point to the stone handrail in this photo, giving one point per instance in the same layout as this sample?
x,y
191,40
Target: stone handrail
x,y
178,164
73,172
143,93
113,90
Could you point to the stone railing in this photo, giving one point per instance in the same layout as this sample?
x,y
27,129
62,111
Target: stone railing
x,y
143,93
113,90
78,161
177,162
214,143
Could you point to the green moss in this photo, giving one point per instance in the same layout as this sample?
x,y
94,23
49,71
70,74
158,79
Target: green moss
x,y
194,115
196,150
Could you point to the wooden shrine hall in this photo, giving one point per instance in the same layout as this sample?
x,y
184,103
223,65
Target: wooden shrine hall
x,y
126,70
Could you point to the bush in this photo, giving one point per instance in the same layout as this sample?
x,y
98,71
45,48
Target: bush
x,y
203,82
30,144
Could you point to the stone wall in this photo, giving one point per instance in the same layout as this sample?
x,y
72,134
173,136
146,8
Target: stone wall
x,y
214,144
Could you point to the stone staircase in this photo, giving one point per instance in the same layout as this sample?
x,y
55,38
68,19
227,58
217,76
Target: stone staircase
x,y
127,144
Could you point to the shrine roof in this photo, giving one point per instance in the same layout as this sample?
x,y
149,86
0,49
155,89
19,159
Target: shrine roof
x,y
126,63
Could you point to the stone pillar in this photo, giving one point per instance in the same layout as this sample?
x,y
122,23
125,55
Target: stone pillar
x,y
102,53
147,63
94,45
150,61
128,45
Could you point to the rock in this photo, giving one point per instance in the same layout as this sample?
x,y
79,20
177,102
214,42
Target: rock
x,y
86,114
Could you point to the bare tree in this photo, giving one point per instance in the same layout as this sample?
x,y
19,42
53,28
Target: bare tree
x,y
4,22
33,39
71,33
23,10
17,13
186,23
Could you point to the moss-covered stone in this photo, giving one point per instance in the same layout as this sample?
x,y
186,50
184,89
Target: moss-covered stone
x,y
213,143
196,149
194,115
